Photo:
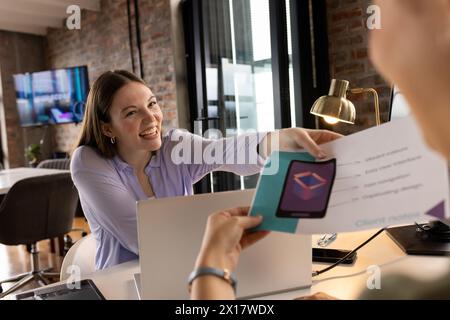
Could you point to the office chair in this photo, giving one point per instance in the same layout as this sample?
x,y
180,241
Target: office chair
x,y
36,209
82,255
60,164
64,242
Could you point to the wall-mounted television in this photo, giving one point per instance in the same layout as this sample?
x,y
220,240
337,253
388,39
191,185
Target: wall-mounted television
x,y
52,97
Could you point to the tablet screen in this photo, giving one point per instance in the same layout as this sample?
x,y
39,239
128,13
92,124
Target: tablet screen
x,y
307,189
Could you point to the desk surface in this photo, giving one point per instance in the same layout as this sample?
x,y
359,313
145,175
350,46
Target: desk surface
x,y
347,282
10,176
343,282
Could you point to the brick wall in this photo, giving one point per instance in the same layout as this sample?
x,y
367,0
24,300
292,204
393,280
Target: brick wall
x,y
348,43
103,44
18,53
158,55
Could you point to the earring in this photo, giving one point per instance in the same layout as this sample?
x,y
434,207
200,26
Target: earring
x,y
113,140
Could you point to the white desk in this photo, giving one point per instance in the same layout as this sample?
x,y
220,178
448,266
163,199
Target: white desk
x,y
10,176
344,282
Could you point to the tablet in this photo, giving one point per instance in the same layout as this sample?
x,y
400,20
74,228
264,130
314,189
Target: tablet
x,y
307,188
82,290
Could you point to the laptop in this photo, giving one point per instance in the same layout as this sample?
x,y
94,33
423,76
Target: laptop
x,y
398,107
170,232
137,283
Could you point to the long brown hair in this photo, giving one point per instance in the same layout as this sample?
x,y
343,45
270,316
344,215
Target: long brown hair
x,y
98,104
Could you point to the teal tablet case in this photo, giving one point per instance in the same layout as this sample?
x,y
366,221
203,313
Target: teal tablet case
x,y
269,189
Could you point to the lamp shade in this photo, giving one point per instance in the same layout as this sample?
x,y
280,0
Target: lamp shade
x,y
335,105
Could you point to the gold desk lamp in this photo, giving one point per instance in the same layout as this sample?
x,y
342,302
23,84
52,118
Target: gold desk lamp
x,y
336,107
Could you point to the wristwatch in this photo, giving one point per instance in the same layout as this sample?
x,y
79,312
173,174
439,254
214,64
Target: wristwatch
x,y
224,274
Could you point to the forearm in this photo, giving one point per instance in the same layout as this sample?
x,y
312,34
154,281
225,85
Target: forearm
x,y
241,155
210,287
235,154
276,141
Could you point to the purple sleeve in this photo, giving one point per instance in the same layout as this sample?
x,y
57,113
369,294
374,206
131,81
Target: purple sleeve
x,y
106,199
201,156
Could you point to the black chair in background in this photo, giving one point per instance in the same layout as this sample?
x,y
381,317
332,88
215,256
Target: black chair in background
x,y
60,164
36,209
64,242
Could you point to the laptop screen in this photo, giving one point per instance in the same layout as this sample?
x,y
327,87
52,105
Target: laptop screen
x,y
399,107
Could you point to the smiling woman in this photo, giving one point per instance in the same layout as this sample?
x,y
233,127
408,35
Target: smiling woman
x,y
122,157
135,123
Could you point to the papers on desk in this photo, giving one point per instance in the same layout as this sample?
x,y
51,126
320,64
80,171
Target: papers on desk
x,y
383,176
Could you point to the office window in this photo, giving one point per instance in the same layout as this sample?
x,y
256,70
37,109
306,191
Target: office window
x,y
242,57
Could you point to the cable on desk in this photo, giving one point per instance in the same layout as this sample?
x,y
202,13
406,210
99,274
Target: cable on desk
x,y
316,273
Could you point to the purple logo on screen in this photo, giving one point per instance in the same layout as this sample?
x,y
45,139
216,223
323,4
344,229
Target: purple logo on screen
x,y
307,189
308,185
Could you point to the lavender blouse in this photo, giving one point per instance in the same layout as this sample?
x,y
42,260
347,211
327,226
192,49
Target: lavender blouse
x,y
109,189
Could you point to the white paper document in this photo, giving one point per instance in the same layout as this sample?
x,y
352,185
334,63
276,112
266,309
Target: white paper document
x,y
384,176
